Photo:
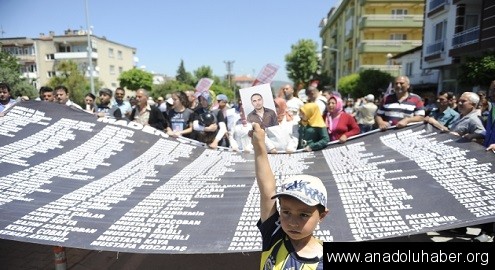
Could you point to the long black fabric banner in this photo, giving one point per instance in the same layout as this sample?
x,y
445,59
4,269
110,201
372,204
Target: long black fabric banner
x,y
69,179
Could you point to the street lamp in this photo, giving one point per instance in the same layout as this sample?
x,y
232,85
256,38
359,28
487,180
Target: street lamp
x,y
336,65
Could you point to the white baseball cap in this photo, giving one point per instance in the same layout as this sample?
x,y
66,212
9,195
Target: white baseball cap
x,y
306,188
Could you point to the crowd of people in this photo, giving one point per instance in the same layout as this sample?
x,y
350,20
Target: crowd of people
x,y
308,124
295,125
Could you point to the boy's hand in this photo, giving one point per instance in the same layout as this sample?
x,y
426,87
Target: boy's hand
x,y
258,138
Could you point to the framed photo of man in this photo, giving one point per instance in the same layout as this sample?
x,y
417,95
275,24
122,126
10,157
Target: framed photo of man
x,y
258,105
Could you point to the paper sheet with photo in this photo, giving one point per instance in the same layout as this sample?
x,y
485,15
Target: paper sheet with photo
x,y
264,90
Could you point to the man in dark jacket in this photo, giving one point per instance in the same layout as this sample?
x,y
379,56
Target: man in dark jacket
x,y
145,114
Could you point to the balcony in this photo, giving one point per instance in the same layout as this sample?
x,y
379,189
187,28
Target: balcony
x,y
393,70
387,46
435,48
26,57
74,55
29,75
437,4
364,2
391,21
465,38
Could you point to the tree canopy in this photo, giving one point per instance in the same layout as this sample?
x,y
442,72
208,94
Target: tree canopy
x,y
68,74
302,62
10,74
477,71
136,78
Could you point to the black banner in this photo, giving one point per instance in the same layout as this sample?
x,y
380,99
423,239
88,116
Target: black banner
x,y
69,179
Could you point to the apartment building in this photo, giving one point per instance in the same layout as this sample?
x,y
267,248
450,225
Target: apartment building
x,y
367,34
39,56
455,29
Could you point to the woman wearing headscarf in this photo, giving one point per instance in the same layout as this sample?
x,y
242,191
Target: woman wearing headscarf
x,y
312,130
340,125
281,137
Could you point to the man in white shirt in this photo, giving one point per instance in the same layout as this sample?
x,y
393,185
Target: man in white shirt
x,y
62,97
293,102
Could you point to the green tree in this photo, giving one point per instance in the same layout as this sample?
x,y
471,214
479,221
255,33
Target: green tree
x,y
372,81
302,62
183,76
136,78
203,72
10,74
347,84
161,90
477,71
70,76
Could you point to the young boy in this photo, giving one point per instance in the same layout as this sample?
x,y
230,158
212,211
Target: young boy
x,y
288,241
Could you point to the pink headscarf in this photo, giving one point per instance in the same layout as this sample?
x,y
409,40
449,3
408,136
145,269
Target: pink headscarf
x,y
332,118
339,104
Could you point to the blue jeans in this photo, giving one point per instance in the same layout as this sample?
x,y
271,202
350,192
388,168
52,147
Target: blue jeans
x,y
365,128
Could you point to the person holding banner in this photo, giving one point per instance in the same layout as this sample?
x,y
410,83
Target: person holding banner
x,y
312,129
62,97
468,125
180,117
282,137
400,108
209,126
105,108
193,101
287,232
46,94
443,114
5,98
124,105
89,101
239,136
145,114
340,125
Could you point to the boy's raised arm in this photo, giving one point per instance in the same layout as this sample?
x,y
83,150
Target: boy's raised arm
x,y
264,174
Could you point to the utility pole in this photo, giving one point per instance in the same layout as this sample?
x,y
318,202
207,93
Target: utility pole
x,y
90,52
230,66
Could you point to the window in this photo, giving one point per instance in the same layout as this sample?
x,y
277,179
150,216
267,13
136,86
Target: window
x,y
440,31
112,69
50,56
121,69
51,74
64,48
471,22
399,13
114,85
409,68
119,55
398,36
30,68
110,52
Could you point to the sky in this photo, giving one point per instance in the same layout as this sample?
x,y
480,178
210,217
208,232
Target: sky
x,y
199,32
